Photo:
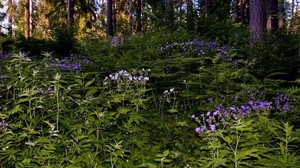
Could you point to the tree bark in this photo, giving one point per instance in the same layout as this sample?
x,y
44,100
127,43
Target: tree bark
x,y
236,11
27,19
114,11
10,17
70,13
109,24
139,16
189,16
281,15
258,21
273,15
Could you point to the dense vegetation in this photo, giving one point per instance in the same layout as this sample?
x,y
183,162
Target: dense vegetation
x,y
163,99
194,88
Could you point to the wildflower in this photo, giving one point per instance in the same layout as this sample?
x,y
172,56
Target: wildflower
x,y
198,129
286,107
213,127
146,78
193,116
222,120
216,113
282,97
209,100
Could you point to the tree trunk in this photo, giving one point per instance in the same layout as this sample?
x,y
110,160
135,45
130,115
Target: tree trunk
x,y
293,8
206,7
130,11
139,16
236,11
115,10
27,19
70,13
109,24
258,21
189,19
281,16
273,15
10,17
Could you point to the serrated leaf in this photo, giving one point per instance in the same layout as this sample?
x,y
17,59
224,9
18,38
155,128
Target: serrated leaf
x,y
246,153
182,124
91,92
166,161
79,81
227,139
89,83
159,155
172,110
43,140
166,152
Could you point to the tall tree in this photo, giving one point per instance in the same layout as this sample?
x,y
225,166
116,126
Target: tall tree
x,y
27,19
273,15
258,21
109,18
139,16
70,13
189,15
10,13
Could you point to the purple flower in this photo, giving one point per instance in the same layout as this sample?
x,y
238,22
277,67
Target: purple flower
x,y
216,113
282,97
193,116
213,127
286,107
209,100
222,120
198,129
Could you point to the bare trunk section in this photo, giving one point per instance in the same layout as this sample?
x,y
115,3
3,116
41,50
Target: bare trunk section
x,y
130,11
273,16
258,21
139,16
109,20
189,19
115,13
281,15
10,17
236,11
70,13
27,19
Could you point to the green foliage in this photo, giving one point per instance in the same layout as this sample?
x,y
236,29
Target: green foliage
x,y
131,106
278,57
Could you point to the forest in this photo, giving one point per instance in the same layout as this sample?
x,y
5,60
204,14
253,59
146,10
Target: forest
x,y
149,83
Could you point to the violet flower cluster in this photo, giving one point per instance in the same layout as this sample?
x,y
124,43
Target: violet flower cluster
x,y
72,63
221,115
3,124
198,47
124,75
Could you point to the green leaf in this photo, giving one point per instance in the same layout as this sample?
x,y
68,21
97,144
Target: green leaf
x,y
246,153
79,81
227,139
159,155
166,152
157,160
43,140
182,124
172,110
166,161
89,83
91,92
